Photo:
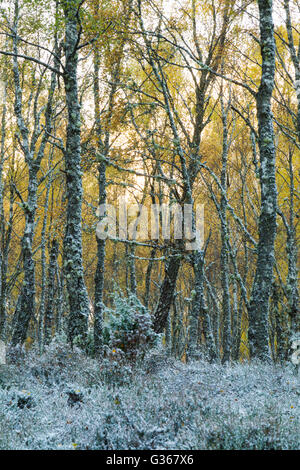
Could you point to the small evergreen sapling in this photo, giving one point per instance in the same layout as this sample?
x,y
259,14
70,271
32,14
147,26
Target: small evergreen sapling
x,y
129,327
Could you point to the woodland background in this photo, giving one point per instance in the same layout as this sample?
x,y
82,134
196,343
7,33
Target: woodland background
x,y
161,102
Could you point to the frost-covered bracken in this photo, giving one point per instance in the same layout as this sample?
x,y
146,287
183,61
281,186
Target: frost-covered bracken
x,y
170,406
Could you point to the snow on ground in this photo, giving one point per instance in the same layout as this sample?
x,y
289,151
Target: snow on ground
x,y
64,400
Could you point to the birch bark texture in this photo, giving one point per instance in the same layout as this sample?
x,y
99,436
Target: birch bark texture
x,y
2,228
99,274
73,262
258,311
49,308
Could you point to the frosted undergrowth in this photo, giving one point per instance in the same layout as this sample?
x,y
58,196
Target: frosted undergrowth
x,y
64,400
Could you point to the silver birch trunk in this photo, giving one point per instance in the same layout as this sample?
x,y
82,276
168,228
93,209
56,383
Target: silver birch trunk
x,y
227,340
73,264
99,274
49,307
258,311
2,225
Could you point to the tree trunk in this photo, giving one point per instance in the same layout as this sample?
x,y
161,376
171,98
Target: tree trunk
x,y
200,311
226,308
166,294
99,274
2,225
33,155
49,309
77,293
27,309
259,304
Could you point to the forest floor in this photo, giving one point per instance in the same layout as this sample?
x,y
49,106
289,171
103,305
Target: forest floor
x,y
65,400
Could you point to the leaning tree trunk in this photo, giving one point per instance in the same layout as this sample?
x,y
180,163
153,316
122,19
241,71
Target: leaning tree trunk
x,y
167,292
259,303
77,293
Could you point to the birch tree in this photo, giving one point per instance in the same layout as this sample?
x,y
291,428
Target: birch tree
x,y
73,263
259,304
33,150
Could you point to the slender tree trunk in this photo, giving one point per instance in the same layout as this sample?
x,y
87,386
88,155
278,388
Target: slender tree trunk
x,y
216,316
6,241
132,270
168,334
224,247
103,131
2,225
99,274
292,253
60,298
200,311
33,154
41,320
27,309
174,325
235,324
295,56
49,308
148,278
